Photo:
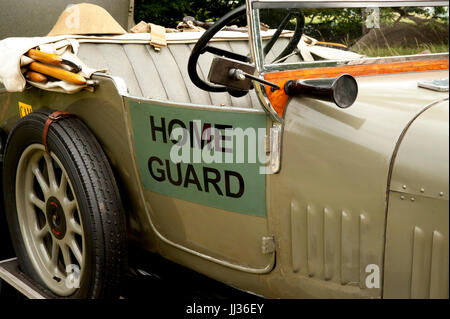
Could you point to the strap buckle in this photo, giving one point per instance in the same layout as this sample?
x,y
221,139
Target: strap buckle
x,y
52,118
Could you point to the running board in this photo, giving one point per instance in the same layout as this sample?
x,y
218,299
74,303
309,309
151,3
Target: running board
x,y
11,274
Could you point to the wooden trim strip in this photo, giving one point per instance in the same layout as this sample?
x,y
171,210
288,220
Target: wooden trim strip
x,y
279,99
360,70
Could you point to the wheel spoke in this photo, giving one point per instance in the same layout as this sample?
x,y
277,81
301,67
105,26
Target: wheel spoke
x,y
66,254
41,233
44,253
69,207
40,179
63,185
51,172
76,228
55,254
76,251
37,202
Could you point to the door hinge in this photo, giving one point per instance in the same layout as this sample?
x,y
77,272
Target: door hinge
x,y
268,245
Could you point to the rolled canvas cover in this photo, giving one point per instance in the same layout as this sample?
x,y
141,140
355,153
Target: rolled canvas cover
x,y
86,18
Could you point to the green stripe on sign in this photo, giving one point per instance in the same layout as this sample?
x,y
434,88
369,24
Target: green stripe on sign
x,y
204,140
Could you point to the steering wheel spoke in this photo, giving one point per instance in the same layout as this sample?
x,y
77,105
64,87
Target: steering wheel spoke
x,y
227,54
294,41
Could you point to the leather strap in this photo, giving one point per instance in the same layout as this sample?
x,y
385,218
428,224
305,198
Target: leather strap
x,y
158,36
52,118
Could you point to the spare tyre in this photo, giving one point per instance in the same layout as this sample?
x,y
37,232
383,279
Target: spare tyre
x,y
63,208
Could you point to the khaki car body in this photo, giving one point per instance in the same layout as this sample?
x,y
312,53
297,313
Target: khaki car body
x,y
357,209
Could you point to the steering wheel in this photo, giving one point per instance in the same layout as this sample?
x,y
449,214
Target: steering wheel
x,y
202,47
293,43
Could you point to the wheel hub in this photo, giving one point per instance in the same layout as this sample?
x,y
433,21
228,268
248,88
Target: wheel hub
x,y
56,218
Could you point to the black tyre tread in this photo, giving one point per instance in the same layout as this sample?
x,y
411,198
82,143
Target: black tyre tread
x,y
105,207
114,235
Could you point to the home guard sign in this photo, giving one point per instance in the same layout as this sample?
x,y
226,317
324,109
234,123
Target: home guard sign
x,y
211,157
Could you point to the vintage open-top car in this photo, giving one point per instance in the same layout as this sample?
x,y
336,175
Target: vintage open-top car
x,y
286,159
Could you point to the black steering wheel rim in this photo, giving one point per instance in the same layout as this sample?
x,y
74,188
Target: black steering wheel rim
x,y
294,41
202,46
202,43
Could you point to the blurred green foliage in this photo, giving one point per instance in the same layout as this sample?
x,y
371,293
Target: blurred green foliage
x,y
335,25
170,12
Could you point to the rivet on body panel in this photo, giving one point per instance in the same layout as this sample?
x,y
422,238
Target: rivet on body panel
x,y
422,190
441,194
412,199
404,186
402,197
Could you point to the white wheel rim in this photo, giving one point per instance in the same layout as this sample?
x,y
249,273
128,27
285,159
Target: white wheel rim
x,y
49,220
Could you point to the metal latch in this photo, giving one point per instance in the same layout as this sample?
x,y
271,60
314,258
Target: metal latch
x,y
268,245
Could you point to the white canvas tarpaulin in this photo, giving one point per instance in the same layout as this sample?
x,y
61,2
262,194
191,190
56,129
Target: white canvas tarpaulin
x,y
12,55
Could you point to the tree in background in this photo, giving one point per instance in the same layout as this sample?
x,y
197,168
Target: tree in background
x,y
169,13
419,28
328,24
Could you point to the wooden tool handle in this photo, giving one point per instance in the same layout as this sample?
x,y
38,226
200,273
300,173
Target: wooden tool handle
x,y
44,57
57,73
332,44
36,77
